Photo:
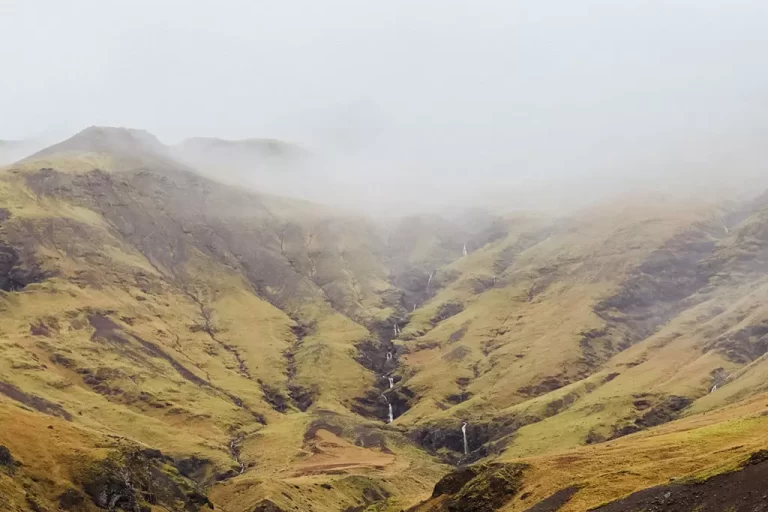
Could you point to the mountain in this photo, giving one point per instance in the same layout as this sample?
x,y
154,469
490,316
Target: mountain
x,y
175,342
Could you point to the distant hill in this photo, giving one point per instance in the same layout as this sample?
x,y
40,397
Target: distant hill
x,y
127,149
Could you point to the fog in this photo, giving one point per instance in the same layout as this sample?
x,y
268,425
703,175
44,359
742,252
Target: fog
x,y
416,104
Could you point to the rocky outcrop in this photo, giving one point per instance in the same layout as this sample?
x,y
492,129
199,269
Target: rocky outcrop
x,y
483,438
480,488
33,401
134,479
742,490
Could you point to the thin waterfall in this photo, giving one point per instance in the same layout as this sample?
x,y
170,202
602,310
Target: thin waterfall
x,y
391,417
714,388
465,250
430,279
389,356
464,434
391,382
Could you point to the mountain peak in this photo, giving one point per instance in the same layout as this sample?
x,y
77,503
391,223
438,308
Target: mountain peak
x,y
129,147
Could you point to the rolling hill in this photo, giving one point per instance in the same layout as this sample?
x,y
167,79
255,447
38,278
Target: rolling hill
x,y
173,342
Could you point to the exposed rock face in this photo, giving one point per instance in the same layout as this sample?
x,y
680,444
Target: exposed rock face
x,y
663,412
6,459
742,490
34,401
556,501
18,270
134,479
483,438
481,488
659,288
267,506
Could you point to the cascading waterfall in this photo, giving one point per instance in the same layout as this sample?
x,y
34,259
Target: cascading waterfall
x,y
391,382
464,434
391,417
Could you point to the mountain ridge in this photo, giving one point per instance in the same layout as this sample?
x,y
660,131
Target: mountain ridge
x,y
252,347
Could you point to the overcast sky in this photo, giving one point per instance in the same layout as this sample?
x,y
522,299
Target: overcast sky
x,y
446,93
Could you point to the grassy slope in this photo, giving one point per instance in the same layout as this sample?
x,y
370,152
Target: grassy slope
x,y
167,260
101,271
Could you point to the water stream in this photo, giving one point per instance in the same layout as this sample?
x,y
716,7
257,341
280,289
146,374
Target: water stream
x,y
464,433
391,416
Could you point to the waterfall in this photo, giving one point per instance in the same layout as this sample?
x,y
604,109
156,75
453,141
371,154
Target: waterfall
x,y
389,356
714,388
465,250
394,328
414,308
391,417
391,382
430,279
464,433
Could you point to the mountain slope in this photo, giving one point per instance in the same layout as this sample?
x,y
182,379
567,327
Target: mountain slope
x,y
261,343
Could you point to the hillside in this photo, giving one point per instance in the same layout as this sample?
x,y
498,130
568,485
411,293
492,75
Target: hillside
x,y
252,352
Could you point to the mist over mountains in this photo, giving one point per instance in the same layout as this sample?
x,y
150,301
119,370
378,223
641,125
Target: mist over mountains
x,y
378,185
394,256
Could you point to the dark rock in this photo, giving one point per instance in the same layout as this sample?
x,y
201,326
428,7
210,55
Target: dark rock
x,y
6,459
128,479
480,488
303,396
274,397
447,310
18,269
556,501
35,402
267,506
72,499
454,481
194,468
458,334
742,490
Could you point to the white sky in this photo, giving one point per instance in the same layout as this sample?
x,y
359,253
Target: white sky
x,y
440,93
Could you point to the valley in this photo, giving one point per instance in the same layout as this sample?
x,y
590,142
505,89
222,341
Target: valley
x,y
169,341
